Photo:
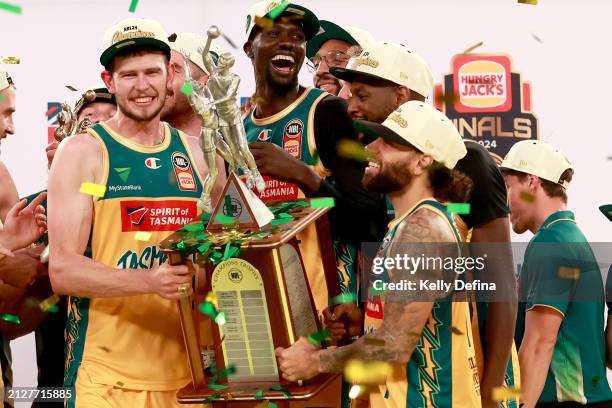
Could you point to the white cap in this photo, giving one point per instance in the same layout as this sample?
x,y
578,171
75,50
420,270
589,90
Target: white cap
x,y
363,37
131,32
537,158
262,8
5,79
422,126
392,62
190,43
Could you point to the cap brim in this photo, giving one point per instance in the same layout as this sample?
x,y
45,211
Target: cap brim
x,y
311,22
607,211
349,75
111,51
332,32
372,131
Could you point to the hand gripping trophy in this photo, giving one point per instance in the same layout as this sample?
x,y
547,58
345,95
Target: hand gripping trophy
x,y
217,105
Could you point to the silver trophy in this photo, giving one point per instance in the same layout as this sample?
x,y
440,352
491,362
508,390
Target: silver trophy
x,y
222,127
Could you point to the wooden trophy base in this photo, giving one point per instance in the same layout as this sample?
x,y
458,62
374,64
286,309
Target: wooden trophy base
x,y
322,391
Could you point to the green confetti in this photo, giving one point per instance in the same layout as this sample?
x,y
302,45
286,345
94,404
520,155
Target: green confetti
x,y
283,215
272,405
276,387
53,309
218,386
13,8
133,5
204,247
281,221
195,227
259,394
344,298
180,245
212,398
208,309
458,208
316,338
278,10
224,219
322,202
315,157
10,318
187,88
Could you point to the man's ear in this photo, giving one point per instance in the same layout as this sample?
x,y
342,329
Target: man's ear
x,y
402,95
107,78
248,49
424,163
203,79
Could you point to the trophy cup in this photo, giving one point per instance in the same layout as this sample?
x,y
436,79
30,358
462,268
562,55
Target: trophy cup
x,y
251,267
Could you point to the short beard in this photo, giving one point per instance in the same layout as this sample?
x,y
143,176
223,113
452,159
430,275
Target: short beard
x,y
280,87
126,112
390,178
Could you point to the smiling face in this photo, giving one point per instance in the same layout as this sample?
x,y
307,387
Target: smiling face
x,y
140,83
390,168
332,52
372,103
278,53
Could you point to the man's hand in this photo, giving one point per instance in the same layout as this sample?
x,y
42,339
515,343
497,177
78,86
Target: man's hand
x,y
166,279
24,225
300,361
333,320
50,150
23,268
275,162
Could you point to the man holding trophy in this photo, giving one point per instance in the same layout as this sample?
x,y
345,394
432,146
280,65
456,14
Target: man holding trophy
x,y
124,185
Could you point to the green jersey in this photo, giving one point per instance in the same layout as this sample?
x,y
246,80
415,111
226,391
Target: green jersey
x,y
560,273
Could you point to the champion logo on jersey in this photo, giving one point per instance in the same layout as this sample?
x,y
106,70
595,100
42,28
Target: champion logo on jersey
x,y
264,135
136,215
152,163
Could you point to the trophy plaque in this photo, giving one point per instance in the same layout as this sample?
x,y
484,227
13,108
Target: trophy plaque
x,y
264,295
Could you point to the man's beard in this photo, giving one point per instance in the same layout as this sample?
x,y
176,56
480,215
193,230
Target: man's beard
x,y
335,82
280,87
138,117
390,177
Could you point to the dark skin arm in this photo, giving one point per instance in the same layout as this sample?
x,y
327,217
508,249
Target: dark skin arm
x,y
501,315
609,342
404,317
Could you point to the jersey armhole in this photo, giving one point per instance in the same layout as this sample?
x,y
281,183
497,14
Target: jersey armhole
x,y
105,160
183,138
311,140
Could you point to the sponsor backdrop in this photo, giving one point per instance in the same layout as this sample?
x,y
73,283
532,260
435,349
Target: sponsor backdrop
x,y
541,72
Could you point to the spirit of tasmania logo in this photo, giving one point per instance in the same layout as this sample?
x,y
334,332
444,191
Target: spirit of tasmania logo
x,y
53,109
487,102
166,215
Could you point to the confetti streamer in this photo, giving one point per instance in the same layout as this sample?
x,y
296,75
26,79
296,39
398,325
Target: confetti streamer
x,y
344,298
49,302
13,8
322,202
372,341
531,2
133,5
569,273
473,47
229,41
10,318
11,60
351,149
72,88
354,392
220,319
187,88
535,37
504,393
526,196
361,372
143,236
259,394
458,208
96,190
317,338
278,10
218,386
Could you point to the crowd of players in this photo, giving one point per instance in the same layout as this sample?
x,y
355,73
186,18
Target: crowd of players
x,y
535,340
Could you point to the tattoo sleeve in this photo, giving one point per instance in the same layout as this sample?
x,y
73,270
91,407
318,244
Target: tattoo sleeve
x,y
405,313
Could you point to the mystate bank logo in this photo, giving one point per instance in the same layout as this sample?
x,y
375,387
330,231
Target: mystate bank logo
x,y
487,102
164,215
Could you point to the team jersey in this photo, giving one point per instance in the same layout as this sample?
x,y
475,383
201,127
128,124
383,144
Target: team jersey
x,y
134,342
560,272
293,129
442,370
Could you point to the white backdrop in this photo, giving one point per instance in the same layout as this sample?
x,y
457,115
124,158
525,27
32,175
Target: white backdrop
x,y
58,42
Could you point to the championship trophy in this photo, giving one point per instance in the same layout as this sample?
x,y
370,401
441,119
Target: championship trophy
x,y
67,120
250,290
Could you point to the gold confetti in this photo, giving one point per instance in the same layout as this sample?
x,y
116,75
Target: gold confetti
x,y
48,302
361,372
532,2
96,190
569,273
473,47
372,341
504,393
456,331
212,298
119,383
351,149
143,236
105,349
264,22
527,196
11,60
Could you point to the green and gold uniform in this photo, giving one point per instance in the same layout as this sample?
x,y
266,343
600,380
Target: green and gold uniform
x,y
560,272
133,343
442,370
